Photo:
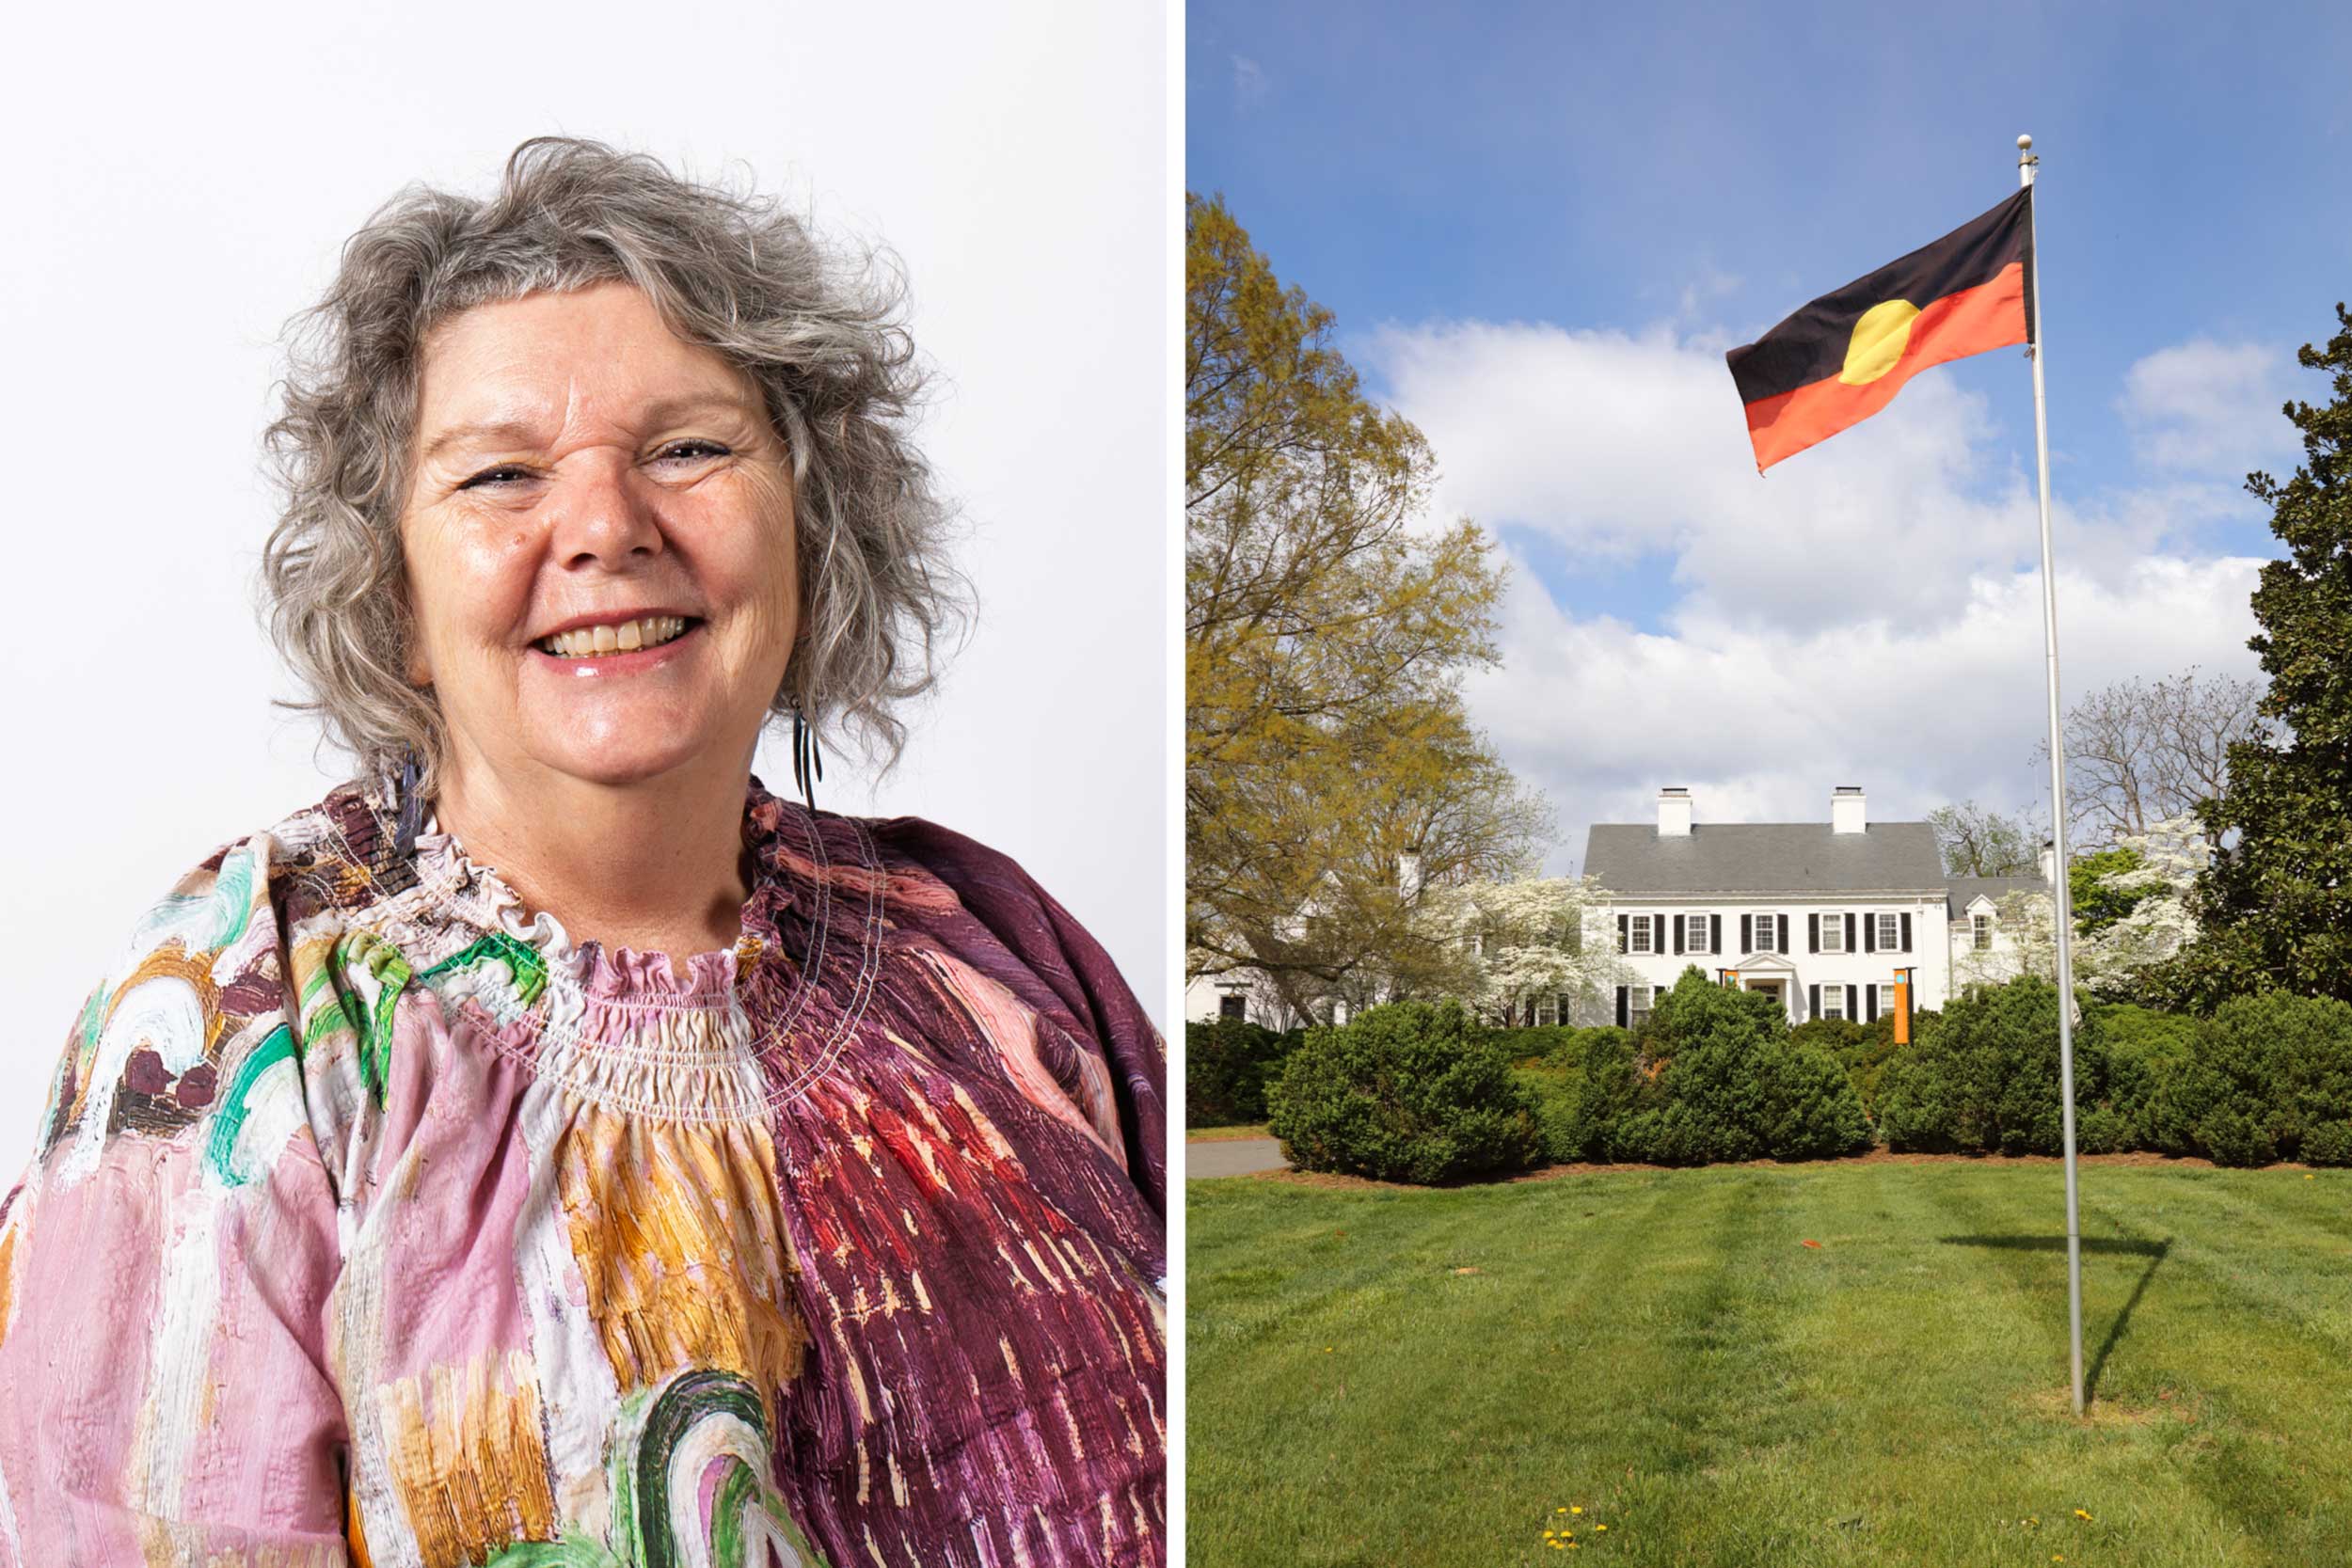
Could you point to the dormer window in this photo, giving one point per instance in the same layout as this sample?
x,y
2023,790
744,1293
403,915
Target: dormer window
x,y
1980,929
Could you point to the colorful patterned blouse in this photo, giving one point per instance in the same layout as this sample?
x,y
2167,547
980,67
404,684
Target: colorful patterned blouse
x,y
375,1222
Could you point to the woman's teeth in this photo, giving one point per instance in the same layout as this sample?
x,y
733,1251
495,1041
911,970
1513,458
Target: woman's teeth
x,y
587,642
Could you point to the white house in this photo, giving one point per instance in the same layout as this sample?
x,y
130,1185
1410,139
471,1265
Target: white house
x,y
1828,917
1984,951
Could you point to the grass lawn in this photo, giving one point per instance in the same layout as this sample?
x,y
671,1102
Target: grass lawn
x,y
1219,1134
1398,1377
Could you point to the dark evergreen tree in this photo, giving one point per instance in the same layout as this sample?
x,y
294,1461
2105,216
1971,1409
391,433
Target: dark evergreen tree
x,y
2277,902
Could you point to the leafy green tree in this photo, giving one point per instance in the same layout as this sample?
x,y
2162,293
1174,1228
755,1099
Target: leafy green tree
x,y
2275,903
1327,632
2096,904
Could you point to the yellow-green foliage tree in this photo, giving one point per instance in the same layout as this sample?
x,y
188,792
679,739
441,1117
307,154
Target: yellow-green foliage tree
x,y
1328,626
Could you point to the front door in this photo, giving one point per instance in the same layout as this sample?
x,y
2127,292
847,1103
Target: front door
x,y
1771,988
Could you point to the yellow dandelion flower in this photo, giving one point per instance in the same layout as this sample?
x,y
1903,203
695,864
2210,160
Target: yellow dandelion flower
x,y
1577,1510
1558,1511
1600,1527
2082,1514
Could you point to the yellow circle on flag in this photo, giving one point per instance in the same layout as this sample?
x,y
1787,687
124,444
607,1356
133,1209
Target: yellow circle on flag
x,y
1879,340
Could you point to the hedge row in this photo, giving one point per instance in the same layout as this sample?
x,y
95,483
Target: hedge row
x,y
2263,1078
1420,1092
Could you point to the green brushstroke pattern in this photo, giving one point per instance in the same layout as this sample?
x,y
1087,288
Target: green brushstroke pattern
x,y
525,967
221,1148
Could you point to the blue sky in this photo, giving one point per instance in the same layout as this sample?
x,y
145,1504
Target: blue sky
x,y
1538,225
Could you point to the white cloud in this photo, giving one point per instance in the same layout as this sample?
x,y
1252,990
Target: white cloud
x,y
1249,83
2203,406
1868,614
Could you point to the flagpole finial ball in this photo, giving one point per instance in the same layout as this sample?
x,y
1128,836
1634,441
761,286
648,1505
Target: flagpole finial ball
x,y
2025,144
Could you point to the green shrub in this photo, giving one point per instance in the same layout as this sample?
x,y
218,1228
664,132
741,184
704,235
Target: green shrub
x,y
1411,1091
1717,1077
2144,1048
1864,1050
1556,1089
2103,1130
2329,1144
1228,1064
2263,1076
1986,1077
1550,1042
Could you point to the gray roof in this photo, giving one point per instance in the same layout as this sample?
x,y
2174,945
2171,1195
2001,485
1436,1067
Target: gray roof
x,y
1966,889
1764,857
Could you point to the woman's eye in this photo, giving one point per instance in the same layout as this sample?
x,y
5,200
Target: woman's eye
x,y
683,448
491,476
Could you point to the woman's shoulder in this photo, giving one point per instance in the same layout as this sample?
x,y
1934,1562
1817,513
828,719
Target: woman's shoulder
x,y
192,1032
978,904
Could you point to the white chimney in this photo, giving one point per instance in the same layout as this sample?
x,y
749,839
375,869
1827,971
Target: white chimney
x,y
1674,812
2048,859
1845,809
1409,875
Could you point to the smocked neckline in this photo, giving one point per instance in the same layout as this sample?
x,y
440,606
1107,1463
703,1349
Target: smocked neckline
x,y
612,975
741,1035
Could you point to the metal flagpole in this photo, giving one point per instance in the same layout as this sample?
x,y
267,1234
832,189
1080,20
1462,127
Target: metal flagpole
x,y
2060,898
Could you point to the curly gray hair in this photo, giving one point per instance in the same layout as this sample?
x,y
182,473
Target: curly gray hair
x,y
820,332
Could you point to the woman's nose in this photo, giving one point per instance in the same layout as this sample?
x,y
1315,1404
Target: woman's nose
x,y
605,511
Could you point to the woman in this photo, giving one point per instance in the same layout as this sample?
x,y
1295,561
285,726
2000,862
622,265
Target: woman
x,y
552,1146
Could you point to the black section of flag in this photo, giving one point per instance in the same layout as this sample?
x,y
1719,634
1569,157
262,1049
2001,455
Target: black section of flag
x,y
1811,344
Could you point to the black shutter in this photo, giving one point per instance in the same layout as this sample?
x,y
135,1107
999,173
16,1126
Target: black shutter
x,y
1849,933
1622,920
1678,919
1874,1005
1906,933
1813,933
1812,1001
1869,933
1621,1007
1715,933
1782,947
1747,934
1850,1000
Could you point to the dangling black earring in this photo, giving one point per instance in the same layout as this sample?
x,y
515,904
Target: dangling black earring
x,y
412,815
808,763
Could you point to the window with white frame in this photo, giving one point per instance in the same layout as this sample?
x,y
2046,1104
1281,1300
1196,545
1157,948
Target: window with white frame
x,y
1695,937
1546,1013
1638,938
1890,932
1833,1001
1766,933
1980,928
1833,932
1637,1003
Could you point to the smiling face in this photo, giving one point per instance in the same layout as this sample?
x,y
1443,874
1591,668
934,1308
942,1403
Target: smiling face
x,y
600,543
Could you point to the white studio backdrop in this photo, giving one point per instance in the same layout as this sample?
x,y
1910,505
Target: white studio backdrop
x,y
182,181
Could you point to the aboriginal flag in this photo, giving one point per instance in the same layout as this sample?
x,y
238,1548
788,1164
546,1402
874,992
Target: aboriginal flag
x,y
1843,358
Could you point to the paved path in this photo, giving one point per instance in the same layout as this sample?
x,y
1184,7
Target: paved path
x,y
1233,1157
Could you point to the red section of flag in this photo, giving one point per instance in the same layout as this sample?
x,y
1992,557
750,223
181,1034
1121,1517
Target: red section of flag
x,y
1989,316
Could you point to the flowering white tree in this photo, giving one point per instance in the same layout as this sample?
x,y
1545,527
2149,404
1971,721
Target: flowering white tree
x,y
2171,854
1527,939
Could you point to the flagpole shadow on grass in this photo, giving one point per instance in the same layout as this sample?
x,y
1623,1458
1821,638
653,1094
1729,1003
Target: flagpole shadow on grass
x,y
2155,1252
